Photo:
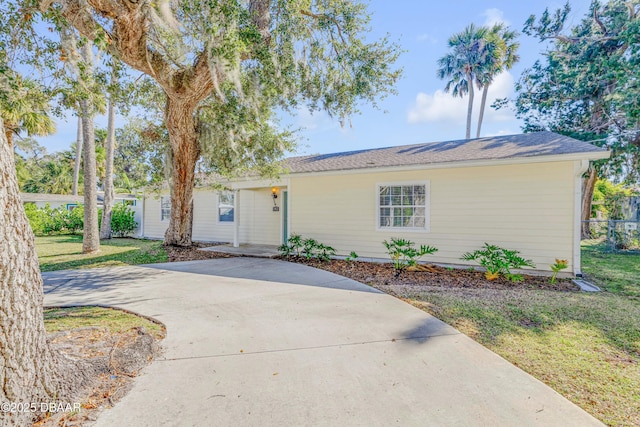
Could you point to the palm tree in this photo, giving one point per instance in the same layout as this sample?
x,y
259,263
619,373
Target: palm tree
x,y
501,47
26,109
462,64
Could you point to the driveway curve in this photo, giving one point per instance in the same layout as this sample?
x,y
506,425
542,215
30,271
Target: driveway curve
x,y
260,342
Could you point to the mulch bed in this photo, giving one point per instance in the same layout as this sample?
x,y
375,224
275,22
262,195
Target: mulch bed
x,y
111,361
380,275
193,253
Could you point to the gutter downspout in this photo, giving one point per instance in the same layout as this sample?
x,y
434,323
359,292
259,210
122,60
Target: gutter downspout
x,y
142,213
236,220
580,167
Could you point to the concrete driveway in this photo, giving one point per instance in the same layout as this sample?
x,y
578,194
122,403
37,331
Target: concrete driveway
x,y
260,342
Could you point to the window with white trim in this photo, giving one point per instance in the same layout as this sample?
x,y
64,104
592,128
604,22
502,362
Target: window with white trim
x,y
165,208
226,201
402,206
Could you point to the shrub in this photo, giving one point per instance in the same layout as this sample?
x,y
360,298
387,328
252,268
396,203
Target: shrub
x,y
37,218
122,220
292,247
309,248
56,220
73,221
403,252
498,261
324,252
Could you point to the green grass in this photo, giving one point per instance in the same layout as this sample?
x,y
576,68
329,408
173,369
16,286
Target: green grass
x,y
113,320
617,273
65,252
585,346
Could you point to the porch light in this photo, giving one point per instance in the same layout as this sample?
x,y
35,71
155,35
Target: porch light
x,y
274,192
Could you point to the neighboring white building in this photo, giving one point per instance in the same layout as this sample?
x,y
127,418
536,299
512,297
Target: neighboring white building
x,y
54,201
520,191
69,202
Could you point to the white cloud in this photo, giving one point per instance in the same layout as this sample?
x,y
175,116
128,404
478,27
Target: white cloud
x,y
428,38
441,107
503,132
494,16
310,120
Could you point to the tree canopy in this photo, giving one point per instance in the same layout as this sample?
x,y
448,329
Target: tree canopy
x,y
587,84
476,56
224,65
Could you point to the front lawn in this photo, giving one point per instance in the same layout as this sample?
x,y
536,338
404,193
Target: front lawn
x,y
616,273
65,252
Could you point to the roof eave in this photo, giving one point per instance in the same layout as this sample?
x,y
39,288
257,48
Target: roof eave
x,y
592,155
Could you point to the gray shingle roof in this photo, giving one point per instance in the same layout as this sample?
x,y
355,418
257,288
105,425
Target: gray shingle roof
x,y
62,198
42,197
489,148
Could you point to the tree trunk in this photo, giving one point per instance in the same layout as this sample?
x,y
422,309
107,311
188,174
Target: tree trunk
x,y
470,106
105,228
90,236
30,372
588,186
483,102
185,151
76,164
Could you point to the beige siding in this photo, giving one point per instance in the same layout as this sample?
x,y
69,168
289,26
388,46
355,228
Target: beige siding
x,y
206,226
259,224
528,207
153,227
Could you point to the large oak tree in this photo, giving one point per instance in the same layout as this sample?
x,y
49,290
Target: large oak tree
x,y
587,86
224,65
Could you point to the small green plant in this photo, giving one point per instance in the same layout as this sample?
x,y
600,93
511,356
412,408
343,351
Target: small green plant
x,y
324,252
498,261
559,265
309,247
352,256
403,253
293,247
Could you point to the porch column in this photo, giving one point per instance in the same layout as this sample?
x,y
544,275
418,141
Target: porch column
x,y
236,219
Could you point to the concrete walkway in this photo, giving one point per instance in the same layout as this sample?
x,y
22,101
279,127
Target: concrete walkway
x,y
260,251
260,342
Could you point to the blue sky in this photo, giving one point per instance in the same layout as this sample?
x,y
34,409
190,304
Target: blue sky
x,y
421,111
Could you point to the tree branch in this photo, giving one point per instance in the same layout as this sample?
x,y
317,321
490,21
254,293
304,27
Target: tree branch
x,y
599,22
261,18
330,18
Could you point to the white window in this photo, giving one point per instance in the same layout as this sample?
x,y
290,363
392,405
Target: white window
x,y
403,206
165,208
226,201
